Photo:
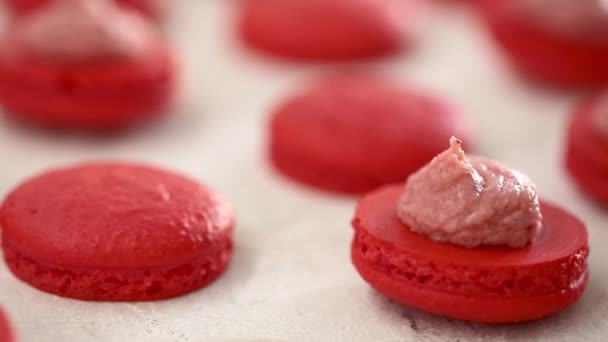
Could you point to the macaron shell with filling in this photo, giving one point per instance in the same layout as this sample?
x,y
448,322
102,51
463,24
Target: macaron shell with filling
x,y
546,56
26,6
96,94
494,285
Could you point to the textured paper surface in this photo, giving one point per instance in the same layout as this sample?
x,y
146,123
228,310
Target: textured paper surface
x,y
291,278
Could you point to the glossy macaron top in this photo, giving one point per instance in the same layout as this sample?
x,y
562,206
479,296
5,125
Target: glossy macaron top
x,y
113,215
563,236
350,119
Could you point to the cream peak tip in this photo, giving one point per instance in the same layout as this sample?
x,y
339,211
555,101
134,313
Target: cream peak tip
x,y
456,147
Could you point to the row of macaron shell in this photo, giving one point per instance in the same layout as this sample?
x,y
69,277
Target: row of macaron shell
x,y
91,73
131,232
286,119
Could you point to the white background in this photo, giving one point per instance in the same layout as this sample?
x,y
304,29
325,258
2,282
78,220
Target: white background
x,y
291,277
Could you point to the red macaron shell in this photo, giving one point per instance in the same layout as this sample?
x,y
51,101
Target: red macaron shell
x,y
587,151
326,30
494,285
6,333
544,55
592,180
352,134
96,94
583,138
112,231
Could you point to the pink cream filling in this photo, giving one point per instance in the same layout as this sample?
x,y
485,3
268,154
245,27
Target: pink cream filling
x,y
470,201
83,29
